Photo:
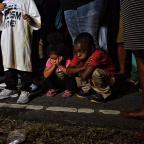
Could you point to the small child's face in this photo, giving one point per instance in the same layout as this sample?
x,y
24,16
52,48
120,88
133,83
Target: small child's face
x,y
80,52
54,58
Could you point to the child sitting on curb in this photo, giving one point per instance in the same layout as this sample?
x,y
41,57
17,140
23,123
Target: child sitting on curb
x,y
94,67
55,72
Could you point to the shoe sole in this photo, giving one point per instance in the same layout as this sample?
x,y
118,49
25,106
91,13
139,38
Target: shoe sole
x,y
4,97
81,97
14,96
94,101
10,96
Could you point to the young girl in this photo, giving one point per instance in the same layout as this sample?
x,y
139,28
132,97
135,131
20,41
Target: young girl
x,y
55,73
94,67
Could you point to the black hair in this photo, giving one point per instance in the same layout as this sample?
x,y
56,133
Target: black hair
x,y
57,49
86,39
56,43
55,38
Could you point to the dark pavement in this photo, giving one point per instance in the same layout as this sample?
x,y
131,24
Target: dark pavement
x,y
75,111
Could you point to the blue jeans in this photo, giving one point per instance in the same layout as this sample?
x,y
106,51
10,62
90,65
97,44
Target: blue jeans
x,y
85,18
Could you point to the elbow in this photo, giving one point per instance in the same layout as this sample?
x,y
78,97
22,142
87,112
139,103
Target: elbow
x,y
45,76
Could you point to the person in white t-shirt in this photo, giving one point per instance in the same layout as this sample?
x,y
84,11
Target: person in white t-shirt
x,y
18,20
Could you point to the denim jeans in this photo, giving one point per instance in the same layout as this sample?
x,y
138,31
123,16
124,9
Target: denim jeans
x,y
85,18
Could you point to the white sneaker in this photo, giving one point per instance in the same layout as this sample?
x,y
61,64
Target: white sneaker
x,y
2,86
6,93
24,97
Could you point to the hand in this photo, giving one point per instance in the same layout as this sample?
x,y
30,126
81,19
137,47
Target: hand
x,y
2,6
63,69
54,62
28,18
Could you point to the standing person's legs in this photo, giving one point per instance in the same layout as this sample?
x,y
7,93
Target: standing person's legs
x,y
139,54
124,56
125,60
11,80
89,17
26,81
121,58
1,63
120,46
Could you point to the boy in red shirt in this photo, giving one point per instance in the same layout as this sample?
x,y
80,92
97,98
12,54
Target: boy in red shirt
x,y
94,67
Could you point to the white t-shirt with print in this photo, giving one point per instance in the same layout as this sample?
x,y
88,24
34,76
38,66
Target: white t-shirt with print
x,y
17,34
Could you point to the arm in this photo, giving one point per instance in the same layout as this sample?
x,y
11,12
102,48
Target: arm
x,y
34,14
63,69
87,73
48,71
74,70
92,63
1,16
2,6
29,19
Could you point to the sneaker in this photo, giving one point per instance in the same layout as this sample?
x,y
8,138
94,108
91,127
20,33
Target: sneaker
x,y
2,86
96,98
6,93
81,94
35,89
24,97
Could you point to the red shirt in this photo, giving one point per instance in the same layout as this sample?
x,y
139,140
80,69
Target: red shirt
x,y
98,59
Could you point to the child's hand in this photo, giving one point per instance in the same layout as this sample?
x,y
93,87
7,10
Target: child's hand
x,y
28,18
2,6
54,62
63,69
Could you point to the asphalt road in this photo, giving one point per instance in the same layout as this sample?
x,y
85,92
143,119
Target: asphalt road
x,y
74,110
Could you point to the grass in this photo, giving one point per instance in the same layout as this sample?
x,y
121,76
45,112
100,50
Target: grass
x,y
46,133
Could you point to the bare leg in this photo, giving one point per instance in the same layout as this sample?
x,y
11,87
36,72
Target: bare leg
x,y
140,63
121,58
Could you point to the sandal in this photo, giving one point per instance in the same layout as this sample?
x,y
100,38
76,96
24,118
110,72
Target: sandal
x,y
51,92
67,93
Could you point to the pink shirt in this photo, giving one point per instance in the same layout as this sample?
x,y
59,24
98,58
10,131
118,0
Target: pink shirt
x,y
49,65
